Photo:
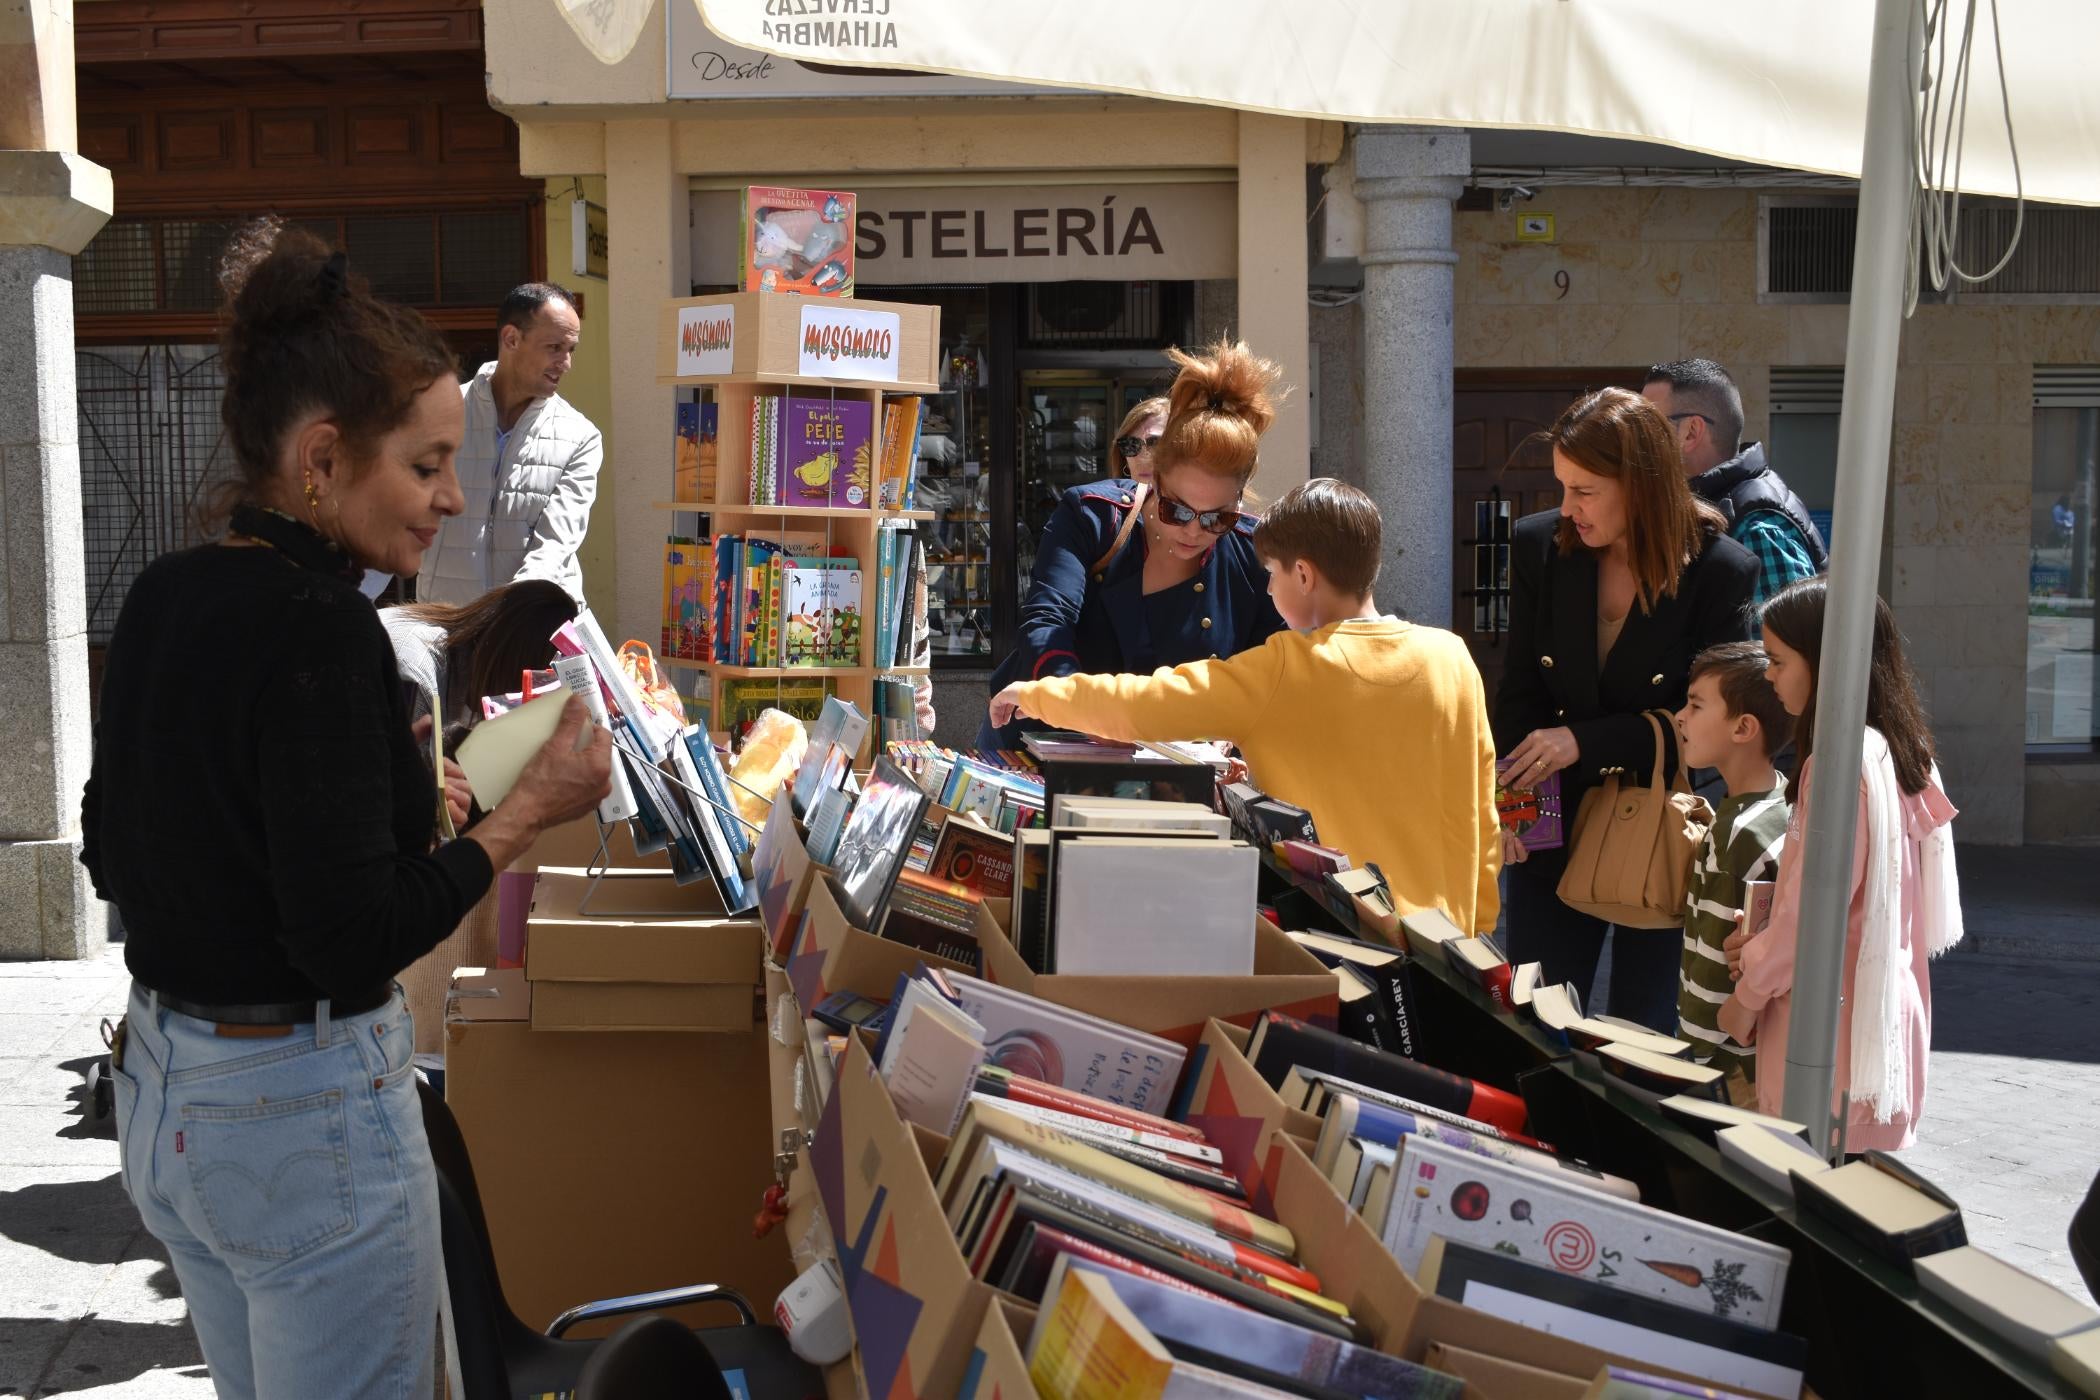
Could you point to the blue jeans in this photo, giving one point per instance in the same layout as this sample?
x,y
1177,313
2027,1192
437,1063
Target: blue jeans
x,y
291,1182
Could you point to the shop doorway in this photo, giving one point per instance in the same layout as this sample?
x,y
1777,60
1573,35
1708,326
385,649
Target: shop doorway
x,y
1501,472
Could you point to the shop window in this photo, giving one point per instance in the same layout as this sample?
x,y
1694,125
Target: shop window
x,y
2061,676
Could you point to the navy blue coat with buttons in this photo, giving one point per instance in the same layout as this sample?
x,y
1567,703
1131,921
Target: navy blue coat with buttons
x,y
1077,621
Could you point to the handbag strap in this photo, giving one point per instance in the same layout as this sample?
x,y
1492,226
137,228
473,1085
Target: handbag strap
x,y
1656,720
1130,519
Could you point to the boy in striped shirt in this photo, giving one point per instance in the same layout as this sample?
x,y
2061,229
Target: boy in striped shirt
x,y
1732,721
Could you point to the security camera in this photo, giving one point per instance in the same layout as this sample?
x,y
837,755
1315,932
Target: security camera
x,y
1507,199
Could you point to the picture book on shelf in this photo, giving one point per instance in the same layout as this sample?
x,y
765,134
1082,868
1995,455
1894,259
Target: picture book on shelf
x,y
693,452
688,599
822,623
826,452
742,698
897,462
797,240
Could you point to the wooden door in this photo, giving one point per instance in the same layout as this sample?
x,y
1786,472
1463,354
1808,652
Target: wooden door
x,y
1502,471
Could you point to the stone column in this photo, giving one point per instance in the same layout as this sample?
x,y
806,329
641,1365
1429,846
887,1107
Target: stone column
x,y
1407,179
51,204
648,216
1272,307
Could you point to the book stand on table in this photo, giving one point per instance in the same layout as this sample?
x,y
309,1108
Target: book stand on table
x,y
601,863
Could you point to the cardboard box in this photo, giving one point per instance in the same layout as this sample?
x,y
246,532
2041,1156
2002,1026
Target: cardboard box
x,y
916,1310
616,1163
781,872
1286,978
1505,1380
488,994
570,844
830,955
1234,1106
695,972
998,1367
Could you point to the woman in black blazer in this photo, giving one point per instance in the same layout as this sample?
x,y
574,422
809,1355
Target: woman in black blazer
x,y
1611,597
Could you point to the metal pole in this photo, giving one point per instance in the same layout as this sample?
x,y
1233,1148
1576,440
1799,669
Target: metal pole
x,y
1878,265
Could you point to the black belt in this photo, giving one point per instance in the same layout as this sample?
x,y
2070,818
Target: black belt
x,y
277,1013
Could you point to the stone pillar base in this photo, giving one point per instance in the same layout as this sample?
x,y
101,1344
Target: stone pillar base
x,y
47,907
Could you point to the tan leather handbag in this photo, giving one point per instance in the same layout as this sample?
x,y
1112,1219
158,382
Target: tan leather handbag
x,y
1633,849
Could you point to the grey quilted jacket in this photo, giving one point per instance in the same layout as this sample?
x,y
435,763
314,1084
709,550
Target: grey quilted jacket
x,y
526,515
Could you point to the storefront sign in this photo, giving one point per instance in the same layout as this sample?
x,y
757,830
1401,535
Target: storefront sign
x,y
1050,233
590,241
705,65
842,342
706,339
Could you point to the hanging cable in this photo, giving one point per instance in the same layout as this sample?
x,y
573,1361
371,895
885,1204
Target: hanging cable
x,y
1935,199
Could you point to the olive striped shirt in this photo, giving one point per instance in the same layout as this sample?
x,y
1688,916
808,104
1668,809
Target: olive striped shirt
x,y
1742,845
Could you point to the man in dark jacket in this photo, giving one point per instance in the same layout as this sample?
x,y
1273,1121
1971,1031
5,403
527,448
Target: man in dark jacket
x,y
1764,515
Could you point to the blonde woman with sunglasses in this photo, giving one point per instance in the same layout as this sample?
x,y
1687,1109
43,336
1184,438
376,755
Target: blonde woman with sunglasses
x,y
1135,574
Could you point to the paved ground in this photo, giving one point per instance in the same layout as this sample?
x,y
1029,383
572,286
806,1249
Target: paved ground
x,y
89,1306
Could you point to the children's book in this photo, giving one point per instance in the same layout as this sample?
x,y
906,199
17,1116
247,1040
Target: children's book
x,y
688,599
821,614
827,452
685,454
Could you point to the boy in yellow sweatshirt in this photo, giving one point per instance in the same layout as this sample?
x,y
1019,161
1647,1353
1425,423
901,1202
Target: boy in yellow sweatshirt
x,y
1377,727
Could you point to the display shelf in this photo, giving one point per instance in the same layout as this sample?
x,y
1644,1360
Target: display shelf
x,y
791,512
793,381
724,669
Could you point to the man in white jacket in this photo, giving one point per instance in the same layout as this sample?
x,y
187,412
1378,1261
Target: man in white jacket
x,y
528,465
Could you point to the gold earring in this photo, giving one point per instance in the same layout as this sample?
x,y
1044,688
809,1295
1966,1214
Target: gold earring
x,y
313,501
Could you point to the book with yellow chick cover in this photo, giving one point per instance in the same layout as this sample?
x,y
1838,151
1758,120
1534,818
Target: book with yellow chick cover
x,y
828,452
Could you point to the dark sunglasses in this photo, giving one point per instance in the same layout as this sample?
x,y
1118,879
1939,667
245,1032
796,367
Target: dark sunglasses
x,y
1173,512
1133,446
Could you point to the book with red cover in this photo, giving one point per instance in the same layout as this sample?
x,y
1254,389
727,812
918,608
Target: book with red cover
x,y
1476,960
1282,1042
994,1079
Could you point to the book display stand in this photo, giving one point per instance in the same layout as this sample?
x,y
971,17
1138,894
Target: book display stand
x,y
755,349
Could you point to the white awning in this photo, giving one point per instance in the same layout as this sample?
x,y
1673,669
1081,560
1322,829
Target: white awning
x,y
1771,82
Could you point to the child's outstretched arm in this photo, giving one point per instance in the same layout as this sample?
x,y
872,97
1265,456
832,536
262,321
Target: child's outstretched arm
x,y
1198,700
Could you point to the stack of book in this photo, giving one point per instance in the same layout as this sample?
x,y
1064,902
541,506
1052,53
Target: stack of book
x,y
1132,886
897,461
784,601
1105,1329
1081,765
901,635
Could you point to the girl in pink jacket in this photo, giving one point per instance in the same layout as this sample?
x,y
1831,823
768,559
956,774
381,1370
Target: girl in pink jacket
x,y
1905,907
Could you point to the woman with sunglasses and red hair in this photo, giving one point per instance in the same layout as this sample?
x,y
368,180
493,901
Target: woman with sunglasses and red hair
x,y
1134,575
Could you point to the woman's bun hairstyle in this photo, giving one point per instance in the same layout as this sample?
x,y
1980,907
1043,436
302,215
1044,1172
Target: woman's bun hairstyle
x,y
1223,400
303,332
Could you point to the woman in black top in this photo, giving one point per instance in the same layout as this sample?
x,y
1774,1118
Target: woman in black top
x,y
263,819
1611,597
